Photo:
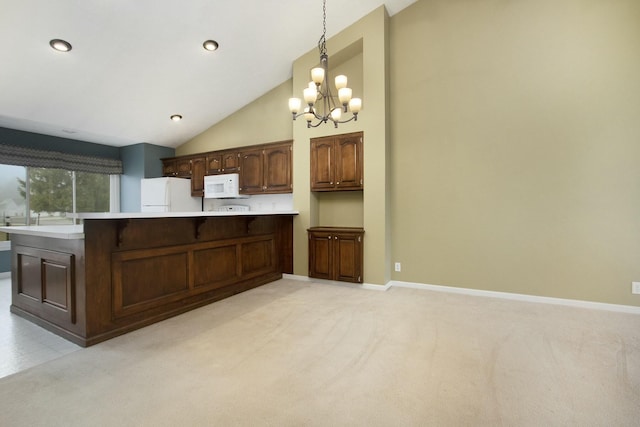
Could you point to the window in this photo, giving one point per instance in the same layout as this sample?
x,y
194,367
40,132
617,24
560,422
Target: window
x,y
53,194
12,203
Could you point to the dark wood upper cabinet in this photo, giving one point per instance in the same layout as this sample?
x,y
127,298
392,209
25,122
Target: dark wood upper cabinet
x,y
198,169
277,169
230,161
183,167
213,163
322,164
252,167
337,163
177,166
169,167
263,169
266,170
219,162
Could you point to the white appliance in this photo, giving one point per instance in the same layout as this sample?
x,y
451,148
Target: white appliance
x,y
232,208
224,186
168,195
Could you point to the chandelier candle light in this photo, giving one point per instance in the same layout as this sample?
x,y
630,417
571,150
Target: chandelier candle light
x,y
321,104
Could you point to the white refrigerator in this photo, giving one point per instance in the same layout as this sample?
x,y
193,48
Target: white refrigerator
x,y
168,195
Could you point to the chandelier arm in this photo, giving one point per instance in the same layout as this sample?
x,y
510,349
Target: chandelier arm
x,y
352,118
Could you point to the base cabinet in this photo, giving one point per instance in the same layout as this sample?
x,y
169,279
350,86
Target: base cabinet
x,y
129,273
335,253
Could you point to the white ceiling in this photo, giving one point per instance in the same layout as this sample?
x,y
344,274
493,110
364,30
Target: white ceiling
x,y
134,63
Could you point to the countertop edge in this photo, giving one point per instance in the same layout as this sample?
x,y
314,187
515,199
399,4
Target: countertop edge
x,y
131,215
71,232
66,232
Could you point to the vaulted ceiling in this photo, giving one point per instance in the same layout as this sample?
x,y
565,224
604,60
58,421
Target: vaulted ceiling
x,y
134,63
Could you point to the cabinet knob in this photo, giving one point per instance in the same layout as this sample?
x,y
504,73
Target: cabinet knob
x,y
329,237
338,183
331,183
335,237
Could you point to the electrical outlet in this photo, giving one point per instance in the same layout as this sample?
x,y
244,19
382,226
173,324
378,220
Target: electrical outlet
x,y
398,266
635,287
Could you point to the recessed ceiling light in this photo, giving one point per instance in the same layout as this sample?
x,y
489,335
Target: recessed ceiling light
x,y
210,45
60,45
176,117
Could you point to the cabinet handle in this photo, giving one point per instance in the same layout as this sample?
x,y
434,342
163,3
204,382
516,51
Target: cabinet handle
x,y
338,183
329,237
331,183
335,237
264,187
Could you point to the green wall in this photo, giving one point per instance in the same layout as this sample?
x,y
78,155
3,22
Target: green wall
x,y
501,139
516,139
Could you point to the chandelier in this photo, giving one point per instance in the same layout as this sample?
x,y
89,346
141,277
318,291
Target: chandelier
x,y
322,105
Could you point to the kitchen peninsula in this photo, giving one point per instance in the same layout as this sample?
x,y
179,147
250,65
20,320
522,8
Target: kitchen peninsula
x,y
121,271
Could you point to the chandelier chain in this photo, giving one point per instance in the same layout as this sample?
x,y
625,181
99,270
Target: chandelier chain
x,y
322,43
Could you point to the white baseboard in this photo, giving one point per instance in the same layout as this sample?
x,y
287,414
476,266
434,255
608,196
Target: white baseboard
x,y
479,292
521,297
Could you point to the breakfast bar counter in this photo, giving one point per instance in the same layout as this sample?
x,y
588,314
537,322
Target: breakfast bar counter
x,y
121,271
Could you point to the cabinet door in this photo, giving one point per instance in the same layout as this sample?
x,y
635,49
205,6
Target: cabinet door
x,y
169,167
321,255
214,164
198,167
252,168
277,169
322,168
230,162
183,167
347,261
348,162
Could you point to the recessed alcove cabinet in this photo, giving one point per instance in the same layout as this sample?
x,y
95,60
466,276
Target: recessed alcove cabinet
x,y
336,162
335,253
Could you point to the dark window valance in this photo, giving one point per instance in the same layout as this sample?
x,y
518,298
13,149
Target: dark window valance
x,y
22,156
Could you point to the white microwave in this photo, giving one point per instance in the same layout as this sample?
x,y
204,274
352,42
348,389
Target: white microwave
x,y
222,186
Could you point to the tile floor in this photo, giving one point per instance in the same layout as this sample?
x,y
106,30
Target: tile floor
x,y
23,344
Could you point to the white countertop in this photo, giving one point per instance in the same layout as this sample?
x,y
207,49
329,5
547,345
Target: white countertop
x,y
57,231
77,231
127,215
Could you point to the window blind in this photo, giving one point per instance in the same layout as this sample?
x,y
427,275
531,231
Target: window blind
x,y
22,156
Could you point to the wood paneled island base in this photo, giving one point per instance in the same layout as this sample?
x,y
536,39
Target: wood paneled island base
x,y
131,272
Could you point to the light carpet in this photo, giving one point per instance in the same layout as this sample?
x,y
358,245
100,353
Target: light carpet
x,y
294,353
